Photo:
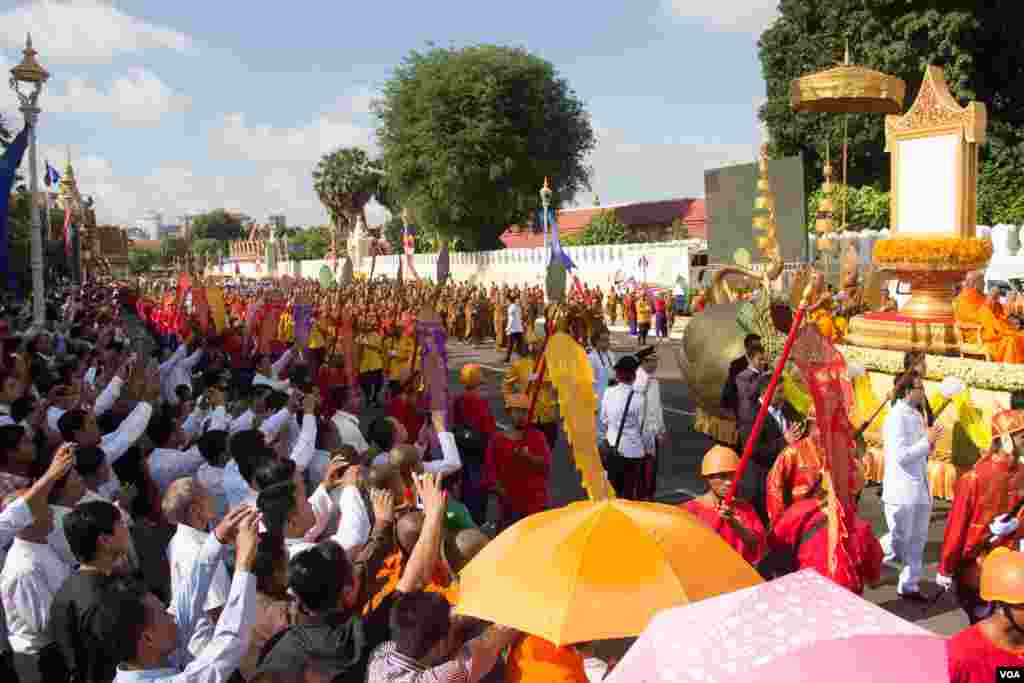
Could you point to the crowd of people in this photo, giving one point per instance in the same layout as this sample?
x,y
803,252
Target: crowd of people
x,y
196,485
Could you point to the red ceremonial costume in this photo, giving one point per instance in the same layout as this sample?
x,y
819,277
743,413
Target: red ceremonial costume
x,y
992,488
472,409
746,515
525,483
408,413
795,472
973,658
864,550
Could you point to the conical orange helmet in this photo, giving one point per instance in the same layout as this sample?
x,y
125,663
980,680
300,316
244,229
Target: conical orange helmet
x,y
1002,577
719,460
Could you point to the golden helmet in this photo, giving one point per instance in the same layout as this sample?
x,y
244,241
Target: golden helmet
x,y
719,460
470,375
1002,577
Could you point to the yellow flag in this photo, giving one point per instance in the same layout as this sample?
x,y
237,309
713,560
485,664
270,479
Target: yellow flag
x,y
573,378
215,302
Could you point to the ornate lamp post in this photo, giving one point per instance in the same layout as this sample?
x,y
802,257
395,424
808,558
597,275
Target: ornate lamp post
x,y
545,201
27,81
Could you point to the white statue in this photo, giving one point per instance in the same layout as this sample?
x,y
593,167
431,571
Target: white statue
x,y
1001,240
1020,234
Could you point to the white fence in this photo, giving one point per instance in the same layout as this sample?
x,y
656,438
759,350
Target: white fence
x,y
657,262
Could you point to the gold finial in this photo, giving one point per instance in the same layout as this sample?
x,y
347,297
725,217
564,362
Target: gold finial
x,y
29,70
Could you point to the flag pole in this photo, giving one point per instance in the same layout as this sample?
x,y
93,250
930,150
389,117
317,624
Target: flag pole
x,y
748,448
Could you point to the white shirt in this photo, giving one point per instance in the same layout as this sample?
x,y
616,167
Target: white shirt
x,y
167,465
177,370
275,380
349,432
653,423
32,575
116,443
182,553
231,638
13,519
603,365
354,526
515,319
905,439
612,408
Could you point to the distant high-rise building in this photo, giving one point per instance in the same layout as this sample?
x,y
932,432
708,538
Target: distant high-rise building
x,y
150,224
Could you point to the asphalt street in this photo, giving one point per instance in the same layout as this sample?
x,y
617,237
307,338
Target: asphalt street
x,y
678,480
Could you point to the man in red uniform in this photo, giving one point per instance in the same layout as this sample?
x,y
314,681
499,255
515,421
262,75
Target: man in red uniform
x,y
794,474
517,465
739,525
977,653
990,490
803,529
405,408
472,420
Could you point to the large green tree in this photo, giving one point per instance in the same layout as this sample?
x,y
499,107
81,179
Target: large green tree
x,y
469,134
217,225
604,228
974,43
345,181
311,243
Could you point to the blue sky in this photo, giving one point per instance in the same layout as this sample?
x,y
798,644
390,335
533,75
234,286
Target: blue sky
x,y
186,106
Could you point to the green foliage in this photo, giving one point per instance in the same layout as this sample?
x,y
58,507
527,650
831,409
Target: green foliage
x,y
311,243
210,248
171,247
1000,194
217,225
393,234
469,134
142,260
345,180
973,42
868,208
604,228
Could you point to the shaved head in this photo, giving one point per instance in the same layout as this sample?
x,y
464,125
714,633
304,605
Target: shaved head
x,y
407,530
463,546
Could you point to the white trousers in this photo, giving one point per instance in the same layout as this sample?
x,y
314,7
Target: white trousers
x,y
905,542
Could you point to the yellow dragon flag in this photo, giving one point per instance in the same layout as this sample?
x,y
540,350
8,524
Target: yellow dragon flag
x,y
573,378
215,302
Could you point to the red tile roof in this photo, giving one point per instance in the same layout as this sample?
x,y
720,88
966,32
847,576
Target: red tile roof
x,y
572,221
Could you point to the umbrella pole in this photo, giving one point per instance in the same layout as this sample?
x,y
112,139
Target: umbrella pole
x,y
748,448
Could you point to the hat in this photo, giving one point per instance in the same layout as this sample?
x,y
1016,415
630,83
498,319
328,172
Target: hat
x,y
1002,577
470,375
520,401
719,460
627,364
1007,422
645,353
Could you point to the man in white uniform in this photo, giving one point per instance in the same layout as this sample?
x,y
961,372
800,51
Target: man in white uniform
x,y
906,497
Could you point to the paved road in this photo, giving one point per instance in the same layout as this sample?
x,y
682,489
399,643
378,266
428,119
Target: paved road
x,y
678,481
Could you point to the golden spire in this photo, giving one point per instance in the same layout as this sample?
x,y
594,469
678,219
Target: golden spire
x,y
764,207
68,191
823,223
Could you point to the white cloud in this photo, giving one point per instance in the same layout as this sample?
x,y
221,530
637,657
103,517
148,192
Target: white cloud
x,y
727,16
234,138
85,30
626,170
139,98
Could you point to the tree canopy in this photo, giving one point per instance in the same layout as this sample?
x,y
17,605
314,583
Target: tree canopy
x,y
217,225
604,228
973,42
311,243
345,181
469,134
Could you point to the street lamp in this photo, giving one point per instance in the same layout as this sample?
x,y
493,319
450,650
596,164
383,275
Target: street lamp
x,y
27,81
545,201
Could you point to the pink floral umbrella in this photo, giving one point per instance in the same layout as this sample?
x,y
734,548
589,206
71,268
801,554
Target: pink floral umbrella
x,y
735,636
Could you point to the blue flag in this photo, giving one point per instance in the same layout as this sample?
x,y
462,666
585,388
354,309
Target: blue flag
x,y
557,254
51,177
8,168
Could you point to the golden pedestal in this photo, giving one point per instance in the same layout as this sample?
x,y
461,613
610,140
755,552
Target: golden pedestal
x,y
897,332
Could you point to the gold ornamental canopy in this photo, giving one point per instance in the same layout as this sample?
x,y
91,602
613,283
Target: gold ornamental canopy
x,y
847,89
30,70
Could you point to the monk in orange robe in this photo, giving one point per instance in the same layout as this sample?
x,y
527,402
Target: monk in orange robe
x,y
1002,339
740,525
976,653
992,488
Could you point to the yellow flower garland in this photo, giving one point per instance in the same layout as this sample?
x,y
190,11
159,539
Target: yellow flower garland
x,y
942,253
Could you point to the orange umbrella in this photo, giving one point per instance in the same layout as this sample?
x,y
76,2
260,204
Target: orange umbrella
x,y
598,569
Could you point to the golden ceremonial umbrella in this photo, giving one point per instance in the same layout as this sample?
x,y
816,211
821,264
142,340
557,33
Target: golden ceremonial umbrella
x,y
598,569
847,89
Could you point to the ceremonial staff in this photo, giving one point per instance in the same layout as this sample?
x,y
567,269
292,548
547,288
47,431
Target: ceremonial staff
x,y
748,448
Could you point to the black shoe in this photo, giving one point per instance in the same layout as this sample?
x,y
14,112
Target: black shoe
x,y
916,596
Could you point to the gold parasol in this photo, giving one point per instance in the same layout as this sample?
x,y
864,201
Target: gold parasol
x,y
847,89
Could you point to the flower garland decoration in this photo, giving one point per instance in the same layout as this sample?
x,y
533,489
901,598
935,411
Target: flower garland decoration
x,y
943,253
